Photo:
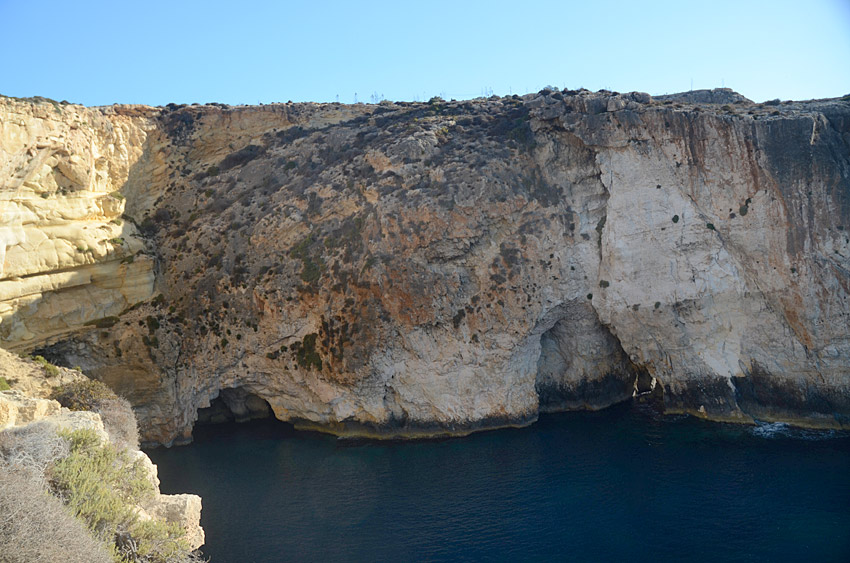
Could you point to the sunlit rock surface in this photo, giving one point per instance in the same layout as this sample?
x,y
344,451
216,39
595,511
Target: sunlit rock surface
x,y
67,258
435,268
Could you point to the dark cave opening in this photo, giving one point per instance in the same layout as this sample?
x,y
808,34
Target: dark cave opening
x,y
582,365
235,404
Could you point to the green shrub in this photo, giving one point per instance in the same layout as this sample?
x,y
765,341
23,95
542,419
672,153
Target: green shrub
x,y
157,540
85,395
744,209
241,157
152,323
49,369
105,322
306,354
4,385
116,413
312,269
312,264
101,485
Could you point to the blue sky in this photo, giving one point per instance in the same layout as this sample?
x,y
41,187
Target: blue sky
x,y
155,52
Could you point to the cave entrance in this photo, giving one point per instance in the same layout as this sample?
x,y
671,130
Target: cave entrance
x,y
235,404
582,365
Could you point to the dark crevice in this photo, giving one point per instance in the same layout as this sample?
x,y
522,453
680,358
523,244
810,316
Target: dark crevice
x,y
648,390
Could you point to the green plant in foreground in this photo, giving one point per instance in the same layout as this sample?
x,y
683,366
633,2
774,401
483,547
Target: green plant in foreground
x,y
102,485
99,483
85,395
50,369
4,385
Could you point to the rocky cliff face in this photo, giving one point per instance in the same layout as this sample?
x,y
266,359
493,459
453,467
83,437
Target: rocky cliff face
x,y
435,268
66,257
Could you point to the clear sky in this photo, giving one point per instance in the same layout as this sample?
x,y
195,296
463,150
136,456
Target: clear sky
x,y
247,52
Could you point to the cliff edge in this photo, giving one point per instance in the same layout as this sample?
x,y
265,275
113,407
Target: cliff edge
x,y
407,269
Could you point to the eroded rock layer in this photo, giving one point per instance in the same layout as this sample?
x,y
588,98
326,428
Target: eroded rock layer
x,y
435,268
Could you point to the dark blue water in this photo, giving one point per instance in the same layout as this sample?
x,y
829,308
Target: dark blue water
x,y
617,485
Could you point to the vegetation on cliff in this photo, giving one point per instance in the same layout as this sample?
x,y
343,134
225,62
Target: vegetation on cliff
x,y
74,490
115,411
102,485
377,265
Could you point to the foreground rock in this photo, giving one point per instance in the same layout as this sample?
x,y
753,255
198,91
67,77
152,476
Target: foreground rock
x,y
436,268
21,414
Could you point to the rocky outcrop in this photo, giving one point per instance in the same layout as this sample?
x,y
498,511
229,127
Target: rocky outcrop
x,y
21,413
436,268
18,412
17,409
184,510
714,96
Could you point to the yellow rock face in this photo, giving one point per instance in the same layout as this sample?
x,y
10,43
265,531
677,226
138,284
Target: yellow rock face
x,y
17,409
67,256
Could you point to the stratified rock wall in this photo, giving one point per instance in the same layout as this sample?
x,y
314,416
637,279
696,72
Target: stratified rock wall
x,y
67,258
435,268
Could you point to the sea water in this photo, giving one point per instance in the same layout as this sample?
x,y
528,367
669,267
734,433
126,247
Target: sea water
x,y
617,485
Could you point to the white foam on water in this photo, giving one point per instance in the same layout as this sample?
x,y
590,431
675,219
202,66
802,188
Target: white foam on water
x,y
772,430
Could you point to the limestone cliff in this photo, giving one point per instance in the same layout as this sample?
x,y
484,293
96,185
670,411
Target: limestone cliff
x,y
66,256
434,268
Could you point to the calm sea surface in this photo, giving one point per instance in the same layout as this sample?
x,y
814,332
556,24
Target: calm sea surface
x,y
617,485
